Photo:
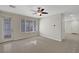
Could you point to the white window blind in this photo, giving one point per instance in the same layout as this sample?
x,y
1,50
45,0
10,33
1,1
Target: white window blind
x,y
28,26
7,28
22,25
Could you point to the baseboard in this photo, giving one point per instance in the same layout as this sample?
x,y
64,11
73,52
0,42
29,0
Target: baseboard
x,y
53,38
17,39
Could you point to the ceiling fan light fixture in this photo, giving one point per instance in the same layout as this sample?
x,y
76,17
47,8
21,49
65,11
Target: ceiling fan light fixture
x,y
39,14
40,11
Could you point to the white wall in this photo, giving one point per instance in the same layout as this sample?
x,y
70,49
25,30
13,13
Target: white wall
x,y
71,22
72,26
47,29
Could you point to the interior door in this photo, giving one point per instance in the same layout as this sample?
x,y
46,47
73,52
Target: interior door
x,y
7,32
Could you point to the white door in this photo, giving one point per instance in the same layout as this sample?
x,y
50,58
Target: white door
x,y
7,31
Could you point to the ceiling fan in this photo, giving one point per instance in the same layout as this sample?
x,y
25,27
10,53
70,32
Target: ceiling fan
x,y
39,11
12,6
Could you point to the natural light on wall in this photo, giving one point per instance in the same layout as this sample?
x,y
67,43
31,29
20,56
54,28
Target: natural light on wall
x,y
71,24
75,22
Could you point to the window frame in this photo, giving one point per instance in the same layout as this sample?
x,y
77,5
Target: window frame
x,y
25,26
8,19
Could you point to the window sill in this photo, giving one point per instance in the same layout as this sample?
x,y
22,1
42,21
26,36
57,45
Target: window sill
x,y
29,32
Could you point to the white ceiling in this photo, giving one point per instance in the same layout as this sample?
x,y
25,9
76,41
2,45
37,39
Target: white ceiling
x,y
51,9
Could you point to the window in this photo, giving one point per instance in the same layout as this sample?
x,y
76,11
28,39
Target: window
x,y
22,25
28,26
7,28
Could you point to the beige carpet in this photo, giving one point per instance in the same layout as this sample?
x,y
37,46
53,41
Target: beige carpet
x,y
40,44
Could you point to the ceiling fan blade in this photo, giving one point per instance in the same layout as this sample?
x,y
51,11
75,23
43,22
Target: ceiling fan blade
x,y
34,13
39,8
44,12
33,10
12,6
42,9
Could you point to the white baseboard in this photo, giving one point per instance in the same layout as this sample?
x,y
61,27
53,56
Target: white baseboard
x,y
53,38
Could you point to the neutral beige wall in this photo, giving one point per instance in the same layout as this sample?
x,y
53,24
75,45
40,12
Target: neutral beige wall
x,y
16,32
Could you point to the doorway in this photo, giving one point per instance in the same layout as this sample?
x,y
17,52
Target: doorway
x,y
71,22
